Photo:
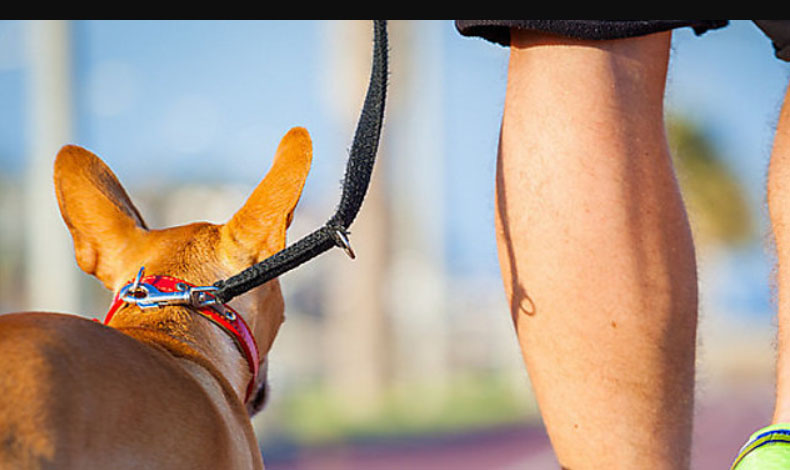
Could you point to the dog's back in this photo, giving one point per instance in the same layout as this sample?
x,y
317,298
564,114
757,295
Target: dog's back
x,y
77,394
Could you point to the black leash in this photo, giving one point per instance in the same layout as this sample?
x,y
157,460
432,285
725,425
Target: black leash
x,y
355,185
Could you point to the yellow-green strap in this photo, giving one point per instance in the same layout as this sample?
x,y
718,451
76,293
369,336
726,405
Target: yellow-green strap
x,y
766,449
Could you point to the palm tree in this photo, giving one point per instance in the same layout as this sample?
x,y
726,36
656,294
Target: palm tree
x,y
717,203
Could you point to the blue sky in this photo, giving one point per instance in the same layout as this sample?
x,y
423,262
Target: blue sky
x,y
210,100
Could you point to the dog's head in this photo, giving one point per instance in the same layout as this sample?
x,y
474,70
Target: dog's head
x,y
112,242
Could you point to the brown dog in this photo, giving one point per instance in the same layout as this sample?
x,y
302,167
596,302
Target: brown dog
x,y
164,387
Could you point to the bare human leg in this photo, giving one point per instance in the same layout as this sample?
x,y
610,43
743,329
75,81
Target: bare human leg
x,y
779,211
595,250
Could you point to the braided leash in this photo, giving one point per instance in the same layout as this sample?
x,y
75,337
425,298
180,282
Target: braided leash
x,y
355,185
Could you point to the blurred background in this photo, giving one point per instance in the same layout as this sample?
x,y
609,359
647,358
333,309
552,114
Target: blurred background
x,y
405,357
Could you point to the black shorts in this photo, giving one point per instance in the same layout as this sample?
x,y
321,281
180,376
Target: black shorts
x,y
498,31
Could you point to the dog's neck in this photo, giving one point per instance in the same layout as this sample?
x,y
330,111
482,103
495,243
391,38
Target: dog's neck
x,y
187,335
112,242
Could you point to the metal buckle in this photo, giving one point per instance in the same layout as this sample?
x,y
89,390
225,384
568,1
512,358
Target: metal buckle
x,y
341,239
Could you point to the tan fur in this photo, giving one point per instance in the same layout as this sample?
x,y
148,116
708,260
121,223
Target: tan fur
x,y
159,389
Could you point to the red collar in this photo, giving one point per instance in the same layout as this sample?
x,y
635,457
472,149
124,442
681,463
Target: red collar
x,y
222,315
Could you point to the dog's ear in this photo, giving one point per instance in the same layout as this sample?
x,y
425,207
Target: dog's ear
x,y
257,230
99,214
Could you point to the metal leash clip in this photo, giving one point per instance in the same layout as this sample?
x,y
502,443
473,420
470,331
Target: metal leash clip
x,y
145,295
